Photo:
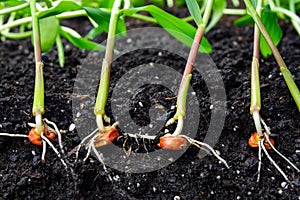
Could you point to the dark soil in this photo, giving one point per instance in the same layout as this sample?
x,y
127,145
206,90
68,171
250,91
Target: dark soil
x,y
24,176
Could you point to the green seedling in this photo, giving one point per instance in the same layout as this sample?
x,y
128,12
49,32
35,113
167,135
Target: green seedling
x,y
262,139
41,132
176,140
104,135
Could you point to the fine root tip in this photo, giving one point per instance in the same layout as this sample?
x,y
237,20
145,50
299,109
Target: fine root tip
x,y
170,121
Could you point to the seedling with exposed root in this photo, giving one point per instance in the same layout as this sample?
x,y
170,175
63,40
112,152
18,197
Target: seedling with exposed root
x,y
104,135
43,131
177,139
261,138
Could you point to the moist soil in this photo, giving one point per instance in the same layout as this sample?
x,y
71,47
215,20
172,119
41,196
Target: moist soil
x,y
24,176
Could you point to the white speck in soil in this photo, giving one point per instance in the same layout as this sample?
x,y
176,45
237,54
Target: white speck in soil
x,y
160,53
158,158
238,172
219,177
137,184
173,107
272,178
154,189
116,178
171,159
177,198
167,131
141,104
156,77
72,127
182,175
81,106
212,192
249,193
129,40
280,191
232,107
150,125
211,106
151,64
289,167
284,185
270,76
193,93
78,114
33,153
238,197
164,191
0,125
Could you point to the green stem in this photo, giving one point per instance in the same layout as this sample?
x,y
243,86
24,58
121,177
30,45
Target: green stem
x,y
17,35
293,9
288,13
60,50
38,101
102,94
66,15
181,99
227,11
15,23
295,91
10,19
291,85
72,14
232,11
144,18
207,12
255,104
14,9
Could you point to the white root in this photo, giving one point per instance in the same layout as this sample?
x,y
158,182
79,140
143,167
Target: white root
x,y
44,151
14,135
272,146
83,141
273,162
192,141
89,147
54,149
149,137
57,133
259,160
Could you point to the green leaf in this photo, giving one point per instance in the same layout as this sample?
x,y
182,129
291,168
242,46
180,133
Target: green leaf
x,y
73,37
94,32
61,7
173,25
102,19
180,3
254,3
48,32
244,20
218,8
160,3
194,11
136,3
107,4
270,20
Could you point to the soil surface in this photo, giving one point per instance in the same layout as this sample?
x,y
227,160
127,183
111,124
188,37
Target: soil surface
x,y
24,176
